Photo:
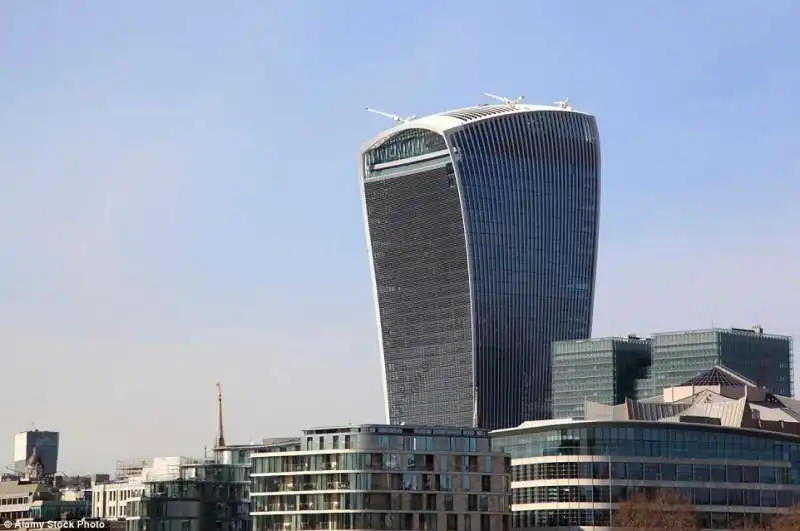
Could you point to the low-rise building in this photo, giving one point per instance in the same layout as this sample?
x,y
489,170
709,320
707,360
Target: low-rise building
x,y
387,477
26,501
728,446
190,495
110,499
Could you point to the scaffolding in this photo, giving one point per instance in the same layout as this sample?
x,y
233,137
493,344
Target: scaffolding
x,y
129,468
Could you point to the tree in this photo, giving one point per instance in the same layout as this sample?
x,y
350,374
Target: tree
x,y
664,510
749,523
788,521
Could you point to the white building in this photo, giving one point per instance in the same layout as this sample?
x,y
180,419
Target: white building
x,y
109,500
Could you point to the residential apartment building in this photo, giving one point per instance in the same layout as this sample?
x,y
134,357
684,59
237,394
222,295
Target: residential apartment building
x,y
387,477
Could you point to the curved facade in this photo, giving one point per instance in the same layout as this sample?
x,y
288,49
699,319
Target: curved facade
x,y
482,229
574,474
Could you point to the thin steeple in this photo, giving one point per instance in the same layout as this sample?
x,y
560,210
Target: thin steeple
x,y
220,432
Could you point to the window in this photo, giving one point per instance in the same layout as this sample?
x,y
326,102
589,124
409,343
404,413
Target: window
x,y
448,502
718,473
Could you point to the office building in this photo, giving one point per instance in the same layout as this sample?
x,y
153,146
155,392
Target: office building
x,y
605,371
43,443
482,231
729,447
383,477
763,358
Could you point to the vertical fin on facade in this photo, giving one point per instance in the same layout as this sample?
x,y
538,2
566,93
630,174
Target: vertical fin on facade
x,y
220,432
475,407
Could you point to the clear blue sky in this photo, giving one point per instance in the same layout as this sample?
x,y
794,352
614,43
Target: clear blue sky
x,y
179,201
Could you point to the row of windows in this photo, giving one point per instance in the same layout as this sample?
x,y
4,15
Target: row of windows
x,y
572,518
278,464
383,522
374,501
413,443
404,145
698,496
434,444
635,441
411,481
719,473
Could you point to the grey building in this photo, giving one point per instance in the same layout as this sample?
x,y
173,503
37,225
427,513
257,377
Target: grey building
x,y
730,448
240,455
763,358
44,443
379,477
193,495
482,229
607,371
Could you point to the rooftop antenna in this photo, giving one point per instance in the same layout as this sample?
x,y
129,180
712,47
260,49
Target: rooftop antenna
x,y
394,117
511,103
220,433
563,104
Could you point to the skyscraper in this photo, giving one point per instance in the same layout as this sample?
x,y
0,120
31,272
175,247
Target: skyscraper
x,y
482,235
44,443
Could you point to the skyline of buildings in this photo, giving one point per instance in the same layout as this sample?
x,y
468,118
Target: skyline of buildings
x,y
482,227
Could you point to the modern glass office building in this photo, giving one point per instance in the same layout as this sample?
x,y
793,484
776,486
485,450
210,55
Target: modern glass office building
x,y
377,477
482,231
606,371
728,447
765,359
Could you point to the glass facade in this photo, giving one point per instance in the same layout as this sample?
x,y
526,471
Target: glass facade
x,y
203,496
387,478
763,358
575,474
482,255
604,371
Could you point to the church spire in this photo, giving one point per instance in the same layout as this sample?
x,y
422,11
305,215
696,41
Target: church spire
x,y
220,433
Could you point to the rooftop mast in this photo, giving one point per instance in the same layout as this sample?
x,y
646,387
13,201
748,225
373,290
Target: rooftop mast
x,y
511,103
220,433
394,117
563,104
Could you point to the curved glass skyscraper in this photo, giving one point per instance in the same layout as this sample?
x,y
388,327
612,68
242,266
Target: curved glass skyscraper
x,y
482,229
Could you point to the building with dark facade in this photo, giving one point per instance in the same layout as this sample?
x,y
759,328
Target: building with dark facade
x,y
43,443
730,448
606,371
482,229
390,478
766,359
